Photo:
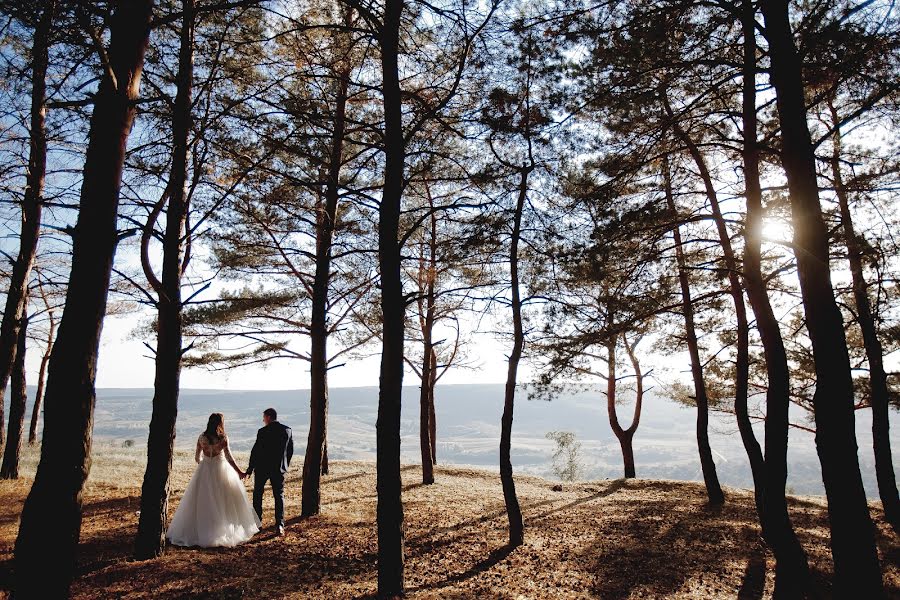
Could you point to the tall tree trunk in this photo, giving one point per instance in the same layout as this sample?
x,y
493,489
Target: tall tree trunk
x,y
150,541
393,307
742,355
879,395
856,568
513,511
32,203
42,378
18,400
707,464
426,390
315,462
791,567
51,517
432,418
325,453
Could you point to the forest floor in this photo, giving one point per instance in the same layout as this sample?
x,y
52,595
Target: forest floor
x,y
602,539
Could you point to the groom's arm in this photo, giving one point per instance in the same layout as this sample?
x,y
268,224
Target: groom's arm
x,y
289,452
254,454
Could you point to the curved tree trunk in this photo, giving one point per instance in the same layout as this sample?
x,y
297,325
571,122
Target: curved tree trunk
x,y
393,308
856,568
625,436
742,357
707,464
32,203
51,517
884,464
791,567
315,462
18,400
513,511
150,541
42,378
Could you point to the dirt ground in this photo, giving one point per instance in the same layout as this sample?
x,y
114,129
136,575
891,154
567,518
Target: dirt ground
x,y
606,539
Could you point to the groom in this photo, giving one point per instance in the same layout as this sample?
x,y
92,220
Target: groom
x,y
270,459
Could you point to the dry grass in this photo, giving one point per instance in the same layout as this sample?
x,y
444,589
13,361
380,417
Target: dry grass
x,y
608,539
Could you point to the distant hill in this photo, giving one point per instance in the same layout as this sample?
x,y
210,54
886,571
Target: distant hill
x,y
468,418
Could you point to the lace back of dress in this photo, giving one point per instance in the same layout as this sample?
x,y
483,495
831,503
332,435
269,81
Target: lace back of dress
x,y
211,450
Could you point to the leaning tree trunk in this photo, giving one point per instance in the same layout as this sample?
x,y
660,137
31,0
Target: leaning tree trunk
x,y
51,517
879,395
513,511
42,379
315,462
856,568
32,203
18,400
707,464
791,567
150,541
393,308
742,356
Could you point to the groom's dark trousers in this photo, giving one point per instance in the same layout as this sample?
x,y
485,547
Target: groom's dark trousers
x,y
269,461
259,485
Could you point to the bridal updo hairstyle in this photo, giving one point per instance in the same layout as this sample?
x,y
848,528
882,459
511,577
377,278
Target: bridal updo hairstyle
x,y
215,428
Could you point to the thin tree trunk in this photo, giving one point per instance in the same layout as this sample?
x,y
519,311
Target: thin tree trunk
x,y
315,461
742,355
42,378
393,307
856,567
18,400
325,455
791,567
624,437
32,203
51,517
150,541
432,418
884,464
426,390
707,464
513,511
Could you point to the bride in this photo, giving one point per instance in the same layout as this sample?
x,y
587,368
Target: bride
x,y
214,510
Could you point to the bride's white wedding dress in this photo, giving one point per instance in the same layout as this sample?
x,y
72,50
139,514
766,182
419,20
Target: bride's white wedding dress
x,y
214,510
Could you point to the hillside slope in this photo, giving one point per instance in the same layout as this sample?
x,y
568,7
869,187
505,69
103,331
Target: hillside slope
x,y
606,539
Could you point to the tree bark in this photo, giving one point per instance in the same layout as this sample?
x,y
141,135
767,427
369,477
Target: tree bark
x,y
393,307
625,436
432,418
707,464
742,356
315,463
42,378
791,567
51,517
32,203
150,541
427,267
856,567
878,388
17,402
513,511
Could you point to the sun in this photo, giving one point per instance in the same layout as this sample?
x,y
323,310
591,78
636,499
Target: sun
x,y
776,230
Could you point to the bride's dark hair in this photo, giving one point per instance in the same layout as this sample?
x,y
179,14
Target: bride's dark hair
x,y
215,428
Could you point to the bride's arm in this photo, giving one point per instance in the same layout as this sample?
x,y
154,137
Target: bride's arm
x,y
197,453
230,459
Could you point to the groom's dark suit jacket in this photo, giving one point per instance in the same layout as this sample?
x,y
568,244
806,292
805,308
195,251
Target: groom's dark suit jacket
x,y
272,451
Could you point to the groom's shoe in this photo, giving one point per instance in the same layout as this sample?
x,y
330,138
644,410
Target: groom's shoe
x,y
279,530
